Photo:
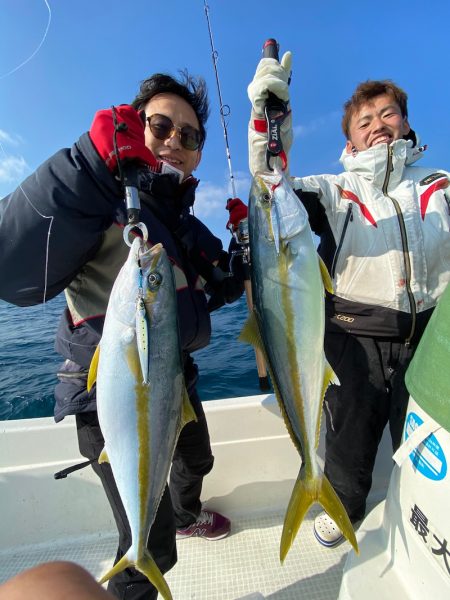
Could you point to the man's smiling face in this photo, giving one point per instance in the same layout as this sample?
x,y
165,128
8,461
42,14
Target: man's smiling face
x,y
379,121
171,149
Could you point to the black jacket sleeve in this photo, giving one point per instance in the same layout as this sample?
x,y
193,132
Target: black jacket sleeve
x,y
231,286
316,212
52,224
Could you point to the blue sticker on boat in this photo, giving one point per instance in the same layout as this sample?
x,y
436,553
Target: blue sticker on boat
x,y
428,458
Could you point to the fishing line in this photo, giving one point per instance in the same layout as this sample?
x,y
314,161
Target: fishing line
x,y
37,49
44,299
224,108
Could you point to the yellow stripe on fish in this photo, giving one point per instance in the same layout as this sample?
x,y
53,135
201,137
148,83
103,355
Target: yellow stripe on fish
x,y
288,287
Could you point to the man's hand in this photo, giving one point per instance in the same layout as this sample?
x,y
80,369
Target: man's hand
x,y
238,211
271,76
130,137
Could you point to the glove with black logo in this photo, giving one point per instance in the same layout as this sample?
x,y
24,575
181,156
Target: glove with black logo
x,y
130,139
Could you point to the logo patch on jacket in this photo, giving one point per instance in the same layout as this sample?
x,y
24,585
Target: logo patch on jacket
x,y
430,178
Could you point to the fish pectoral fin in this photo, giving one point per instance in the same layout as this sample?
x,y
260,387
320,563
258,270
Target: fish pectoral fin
x,y
250,333
187,412
93,368
326,278
103,457
307,491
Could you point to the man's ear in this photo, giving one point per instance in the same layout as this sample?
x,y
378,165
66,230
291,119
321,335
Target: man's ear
x,y
406,126
349,147
199,158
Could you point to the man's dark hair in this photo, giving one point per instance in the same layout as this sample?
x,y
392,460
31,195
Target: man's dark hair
x,y
191,89
367,91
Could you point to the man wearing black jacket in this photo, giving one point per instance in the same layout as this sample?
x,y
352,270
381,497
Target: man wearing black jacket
x,y
62,229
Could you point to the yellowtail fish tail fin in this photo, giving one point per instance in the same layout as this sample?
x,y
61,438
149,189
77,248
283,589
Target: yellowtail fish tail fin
x,y
187,412
93,367
147,566
329,377
121,565
302,497
335,509
326,278
307,491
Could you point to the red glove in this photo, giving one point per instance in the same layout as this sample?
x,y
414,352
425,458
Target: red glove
x,y
238,211
130,137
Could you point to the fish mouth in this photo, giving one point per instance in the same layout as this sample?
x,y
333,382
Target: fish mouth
x,y
149,255
156,249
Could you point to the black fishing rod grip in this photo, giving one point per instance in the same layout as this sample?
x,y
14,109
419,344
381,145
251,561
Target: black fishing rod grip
x,y
275,109
270,49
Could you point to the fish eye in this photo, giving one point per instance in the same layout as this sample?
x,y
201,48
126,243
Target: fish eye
x,y
154,280
266,197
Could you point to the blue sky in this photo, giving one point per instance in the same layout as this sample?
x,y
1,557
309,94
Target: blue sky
x,y
96,52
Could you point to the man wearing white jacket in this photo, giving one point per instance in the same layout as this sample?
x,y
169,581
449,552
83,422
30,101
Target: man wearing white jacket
x,y
384,235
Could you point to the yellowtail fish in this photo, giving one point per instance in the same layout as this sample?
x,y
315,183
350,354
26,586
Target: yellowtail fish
x,y
142,401
288,324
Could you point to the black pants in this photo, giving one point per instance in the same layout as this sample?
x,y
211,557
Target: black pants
x,y
192,460
372,393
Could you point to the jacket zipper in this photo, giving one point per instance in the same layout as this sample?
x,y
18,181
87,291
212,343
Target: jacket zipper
x,y
348,218
406,259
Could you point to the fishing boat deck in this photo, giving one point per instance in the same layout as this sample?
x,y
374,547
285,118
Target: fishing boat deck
x,y
244,564
256,465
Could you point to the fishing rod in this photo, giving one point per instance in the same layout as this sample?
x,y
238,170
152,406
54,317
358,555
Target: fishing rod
x,y
224,108
241,235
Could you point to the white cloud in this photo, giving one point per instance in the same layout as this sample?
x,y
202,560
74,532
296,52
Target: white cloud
x,y
211,198
317,124
12,168
10,140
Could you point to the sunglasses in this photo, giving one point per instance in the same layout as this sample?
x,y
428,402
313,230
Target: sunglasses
x,y
162,128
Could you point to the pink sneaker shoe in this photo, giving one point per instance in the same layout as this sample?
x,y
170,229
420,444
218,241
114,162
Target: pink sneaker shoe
x,y
210,526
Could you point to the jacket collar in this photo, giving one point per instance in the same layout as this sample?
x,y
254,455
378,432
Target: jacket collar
x,y
165,188
372,164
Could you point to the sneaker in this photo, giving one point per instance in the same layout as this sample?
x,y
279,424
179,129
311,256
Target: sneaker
x,y
327,531
210,525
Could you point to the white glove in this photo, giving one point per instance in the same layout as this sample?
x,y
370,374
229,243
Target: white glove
x,y
270,76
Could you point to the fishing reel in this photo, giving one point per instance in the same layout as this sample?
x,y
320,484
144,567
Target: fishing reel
x,y
241,237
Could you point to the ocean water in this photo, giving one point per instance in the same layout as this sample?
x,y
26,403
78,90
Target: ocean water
x,y
28,361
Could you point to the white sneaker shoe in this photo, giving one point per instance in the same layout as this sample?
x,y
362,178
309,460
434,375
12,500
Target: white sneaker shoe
x,y
326,530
